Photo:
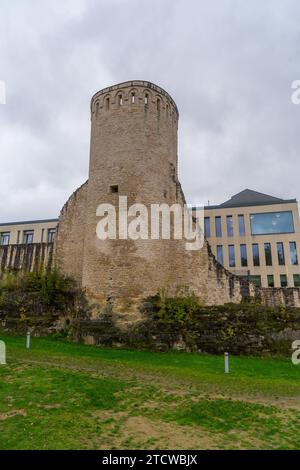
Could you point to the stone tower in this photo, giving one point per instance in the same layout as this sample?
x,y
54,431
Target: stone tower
x,y
133,153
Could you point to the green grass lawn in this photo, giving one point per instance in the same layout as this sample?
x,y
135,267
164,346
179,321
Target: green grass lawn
x,y
61,395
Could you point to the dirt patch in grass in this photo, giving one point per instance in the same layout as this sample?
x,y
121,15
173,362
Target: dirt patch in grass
x,y
12,414
107,414
138,430
141,432
53,406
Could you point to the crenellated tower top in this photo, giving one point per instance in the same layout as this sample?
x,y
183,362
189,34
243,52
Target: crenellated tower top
x,y
136,93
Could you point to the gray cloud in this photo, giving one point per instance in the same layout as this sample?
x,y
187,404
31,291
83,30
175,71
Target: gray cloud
x,y
229,66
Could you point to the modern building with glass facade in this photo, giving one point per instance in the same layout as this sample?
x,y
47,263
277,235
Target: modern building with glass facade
x,y
257,235
34,231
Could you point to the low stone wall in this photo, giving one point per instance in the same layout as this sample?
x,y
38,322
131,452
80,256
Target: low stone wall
x,y
246,328
288,296
239,329
221,285
31,257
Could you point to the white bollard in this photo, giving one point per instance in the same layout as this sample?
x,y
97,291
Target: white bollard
x,y
226,360
2,353
28,340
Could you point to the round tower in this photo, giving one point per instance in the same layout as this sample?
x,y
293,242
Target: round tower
x,y
133,140
133,153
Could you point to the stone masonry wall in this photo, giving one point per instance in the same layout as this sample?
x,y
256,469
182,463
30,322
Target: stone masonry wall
x,y
247,329
288,296
134,148
134,154
69,240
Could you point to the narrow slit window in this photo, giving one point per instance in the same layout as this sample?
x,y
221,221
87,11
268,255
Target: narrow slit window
x,y
158,104
132,98
146,98
114,188
120,100
107,103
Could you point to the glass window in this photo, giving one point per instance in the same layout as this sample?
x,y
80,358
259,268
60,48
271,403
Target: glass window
x,y
296,280
229,223
244,260
218,226
28,236
270,278
280,253
256,280
207,227
231,256
268,254
220,258
255,251
293,252
4,238
51,234
283,280
272,222
241,220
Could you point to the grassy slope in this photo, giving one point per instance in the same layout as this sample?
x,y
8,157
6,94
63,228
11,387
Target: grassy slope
x,y
66,396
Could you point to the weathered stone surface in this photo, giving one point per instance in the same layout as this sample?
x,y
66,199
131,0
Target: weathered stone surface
x,y
237,329
134,147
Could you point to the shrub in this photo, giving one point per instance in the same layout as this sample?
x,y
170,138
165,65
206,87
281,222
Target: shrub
x,y
48,295
179,309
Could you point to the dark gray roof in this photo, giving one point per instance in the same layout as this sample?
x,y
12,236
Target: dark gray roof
x,y
248,197
29,222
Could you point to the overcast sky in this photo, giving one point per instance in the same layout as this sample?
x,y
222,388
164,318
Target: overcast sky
x,y
229,66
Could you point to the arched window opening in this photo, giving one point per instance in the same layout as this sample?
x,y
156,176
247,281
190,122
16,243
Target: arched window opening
x,y
146,98
132,97
120,100
107,104
158,104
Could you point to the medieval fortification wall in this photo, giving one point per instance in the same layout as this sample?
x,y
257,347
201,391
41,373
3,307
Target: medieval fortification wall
x,y
133,153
